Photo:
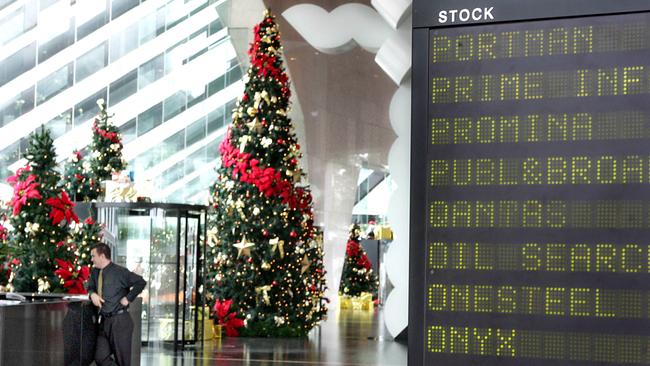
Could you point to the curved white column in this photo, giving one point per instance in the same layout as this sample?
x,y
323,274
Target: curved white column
x,y
395,12
341,30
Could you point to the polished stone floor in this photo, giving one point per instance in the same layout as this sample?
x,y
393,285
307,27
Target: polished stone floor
x,y
346,338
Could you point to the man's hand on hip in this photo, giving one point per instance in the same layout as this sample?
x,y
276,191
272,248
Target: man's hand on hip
x,y
97,300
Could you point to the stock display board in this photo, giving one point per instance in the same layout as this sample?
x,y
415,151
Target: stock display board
x,y
530,212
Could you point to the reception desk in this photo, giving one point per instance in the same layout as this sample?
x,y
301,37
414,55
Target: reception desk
x,y
53,330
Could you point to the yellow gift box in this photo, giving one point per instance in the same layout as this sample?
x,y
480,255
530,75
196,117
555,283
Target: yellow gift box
x,y
345,302
383,233
363,302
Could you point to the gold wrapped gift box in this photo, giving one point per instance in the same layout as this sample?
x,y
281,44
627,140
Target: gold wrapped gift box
x,y
345,302
362,302
383,233
119,191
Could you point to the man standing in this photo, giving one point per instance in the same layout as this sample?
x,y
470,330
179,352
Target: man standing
x,y
112,288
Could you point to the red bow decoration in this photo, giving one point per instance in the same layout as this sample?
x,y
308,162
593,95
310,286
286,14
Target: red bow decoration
x,y
73,280
111,136
62,209
267,180
226,318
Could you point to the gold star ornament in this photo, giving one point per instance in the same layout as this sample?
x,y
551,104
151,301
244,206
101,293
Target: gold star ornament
x,y
244,247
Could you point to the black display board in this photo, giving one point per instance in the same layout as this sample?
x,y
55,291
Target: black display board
x,y
530,208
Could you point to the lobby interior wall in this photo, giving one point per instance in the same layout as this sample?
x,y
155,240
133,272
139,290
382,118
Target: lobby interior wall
x,y
345,100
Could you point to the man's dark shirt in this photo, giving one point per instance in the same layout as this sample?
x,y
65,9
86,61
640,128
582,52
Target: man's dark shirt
x,y
117,283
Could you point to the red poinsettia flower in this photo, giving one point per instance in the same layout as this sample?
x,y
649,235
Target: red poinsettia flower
x,y
62,209
23,191
227,319
89,221
73,280
363,261
3,232
352,249
14,178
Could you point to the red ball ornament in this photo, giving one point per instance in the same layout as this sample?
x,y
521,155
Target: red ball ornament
x,y
245,98
249,260
297,146
280,142
265,232
293,234
274,283
294,161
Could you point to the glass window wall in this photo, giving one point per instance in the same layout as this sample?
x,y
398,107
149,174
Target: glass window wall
x,y
93,61
18,63
60,124
123,88
119,7
58,43
12,25
91,15
150,119
216,119
54,84
124,42
195,132
151,71
174,105
17,106
152,25
129,131
88,108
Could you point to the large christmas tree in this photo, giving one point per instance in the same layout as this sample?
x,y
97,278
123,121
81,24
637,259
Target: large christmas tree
x,y
106,146
264,256
43,260
357,276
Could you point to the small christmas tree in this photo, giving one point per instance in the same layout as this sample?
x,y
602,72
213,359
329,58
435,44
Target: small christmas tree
x,y
264,261
357,276
106,146
78,179
41,212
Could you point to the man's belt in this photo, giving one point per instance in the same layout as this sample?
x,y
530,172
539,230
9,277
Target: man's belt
x,y
113,313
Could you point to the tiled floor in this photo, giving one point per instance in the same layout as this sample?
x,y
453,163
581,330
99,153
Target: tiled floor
x,y
348,337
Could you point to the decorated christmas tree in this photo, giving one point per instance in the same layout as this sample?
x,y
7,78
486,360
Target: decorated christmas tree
x,y
357,276
78,179
264,261
43,260
106,146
